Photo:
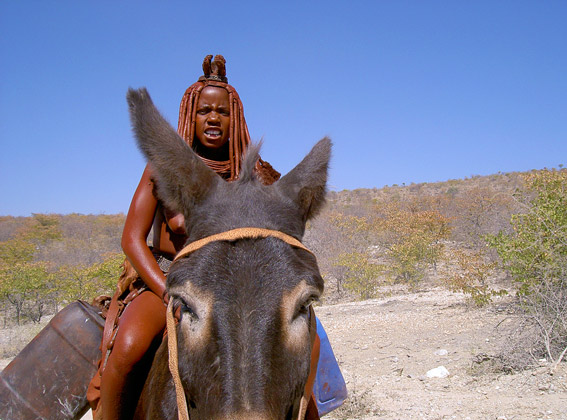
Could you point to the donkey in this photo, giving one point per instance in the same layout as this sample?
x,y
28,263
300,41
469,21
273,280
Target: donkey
x,y
245,324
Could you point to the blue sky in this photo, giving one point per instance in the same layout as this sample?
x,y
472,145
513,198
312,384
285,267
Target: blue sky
x,y
409,91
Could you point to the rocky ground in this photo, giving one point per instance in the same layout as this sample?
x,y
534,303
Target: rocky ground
x,y
386,347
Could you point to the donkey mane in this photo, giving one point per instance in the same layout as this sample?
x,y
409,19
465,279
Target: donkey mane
x,y
251,156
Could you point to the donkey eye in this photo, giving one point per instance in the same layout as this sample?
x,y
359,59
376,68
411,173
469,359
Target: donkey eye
x,y
303,307
187,310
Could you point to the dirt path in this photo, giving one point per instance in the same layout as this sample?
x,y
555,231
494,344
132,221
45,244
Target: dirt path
x,y
385,347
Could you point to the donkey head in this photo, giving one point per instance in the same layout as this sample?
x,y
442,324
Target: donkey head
x,y
244,333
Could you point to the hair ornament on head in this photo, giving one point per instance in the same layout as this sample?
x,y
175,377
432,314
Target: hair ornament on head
x,y
239,137
214,71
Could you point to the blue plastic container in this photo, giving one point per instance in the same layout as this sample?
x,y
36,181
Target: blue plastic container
x,y
329,387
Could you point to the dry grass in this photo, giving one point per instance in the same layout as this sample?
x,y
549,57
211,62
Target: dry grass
x,y
358,405
14,339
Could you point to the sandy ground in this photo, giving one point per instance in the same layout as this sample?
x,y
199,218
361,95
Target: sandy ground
x,y
386,346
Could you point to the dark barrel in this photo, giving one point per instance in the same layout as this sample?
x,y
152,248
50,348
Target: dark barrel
x,y
48,379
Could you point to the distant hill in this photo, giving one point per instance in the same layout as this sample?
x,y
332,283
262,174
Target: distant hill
x,y
501,182
84,238
81,239
486,201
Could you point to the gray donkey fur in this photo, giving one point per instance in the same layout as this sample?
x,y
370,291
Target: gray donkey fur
x,y
248,298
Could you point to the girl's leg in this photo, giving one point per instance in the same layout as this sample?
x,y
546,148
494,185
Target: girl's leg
x,y
139,335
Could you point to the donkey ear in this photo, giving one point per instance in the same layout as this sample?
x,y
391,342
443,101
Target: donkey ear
x,y
306,184
182,178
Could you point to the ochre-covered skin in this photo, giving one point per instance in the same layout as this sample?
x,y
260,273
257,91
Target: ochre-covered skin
x,y
204,107
144,319
168,233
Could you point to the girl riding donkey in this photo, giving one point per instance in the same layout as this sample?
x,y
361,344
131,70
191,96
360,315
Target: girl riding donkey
x,y
212,123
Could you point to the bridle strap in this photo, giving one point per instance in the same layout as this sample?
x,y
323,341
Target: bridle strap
x,y
308,392
241,233
182,411
229,235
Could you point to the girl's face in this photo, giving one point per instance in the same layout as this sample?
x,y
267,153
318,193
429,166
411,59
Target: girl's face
x,y
213,117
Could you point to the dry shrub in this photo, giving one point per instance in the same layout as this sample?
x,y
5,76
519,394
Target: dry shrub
x,y
469,272
358,405
483,364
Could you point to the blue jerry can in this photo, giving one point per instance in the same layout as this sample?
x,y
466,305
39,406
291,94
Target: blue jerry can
x,y
329,387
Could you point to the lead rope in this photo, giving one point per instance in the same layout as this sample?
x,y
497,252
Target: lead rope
x,y
182,411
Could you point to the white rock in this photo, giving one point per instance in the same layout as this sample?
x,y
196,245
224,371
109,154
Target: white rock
x,y
441,352
438,372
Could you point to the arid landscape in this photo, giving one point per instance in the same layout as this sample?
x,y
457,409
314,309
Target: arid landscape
x,y
386,346
412,306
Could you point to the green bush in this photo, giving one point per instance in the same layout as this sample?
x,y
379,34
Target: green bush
x,y
32,287
361,275
535,254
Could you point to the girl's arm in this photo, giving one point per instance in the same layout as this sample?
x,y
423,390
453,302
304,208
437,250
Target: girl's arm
x,y
136,230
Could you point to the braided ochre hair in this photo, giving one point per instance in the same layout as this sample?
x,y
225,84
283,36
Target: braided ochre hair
x,y
239,137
